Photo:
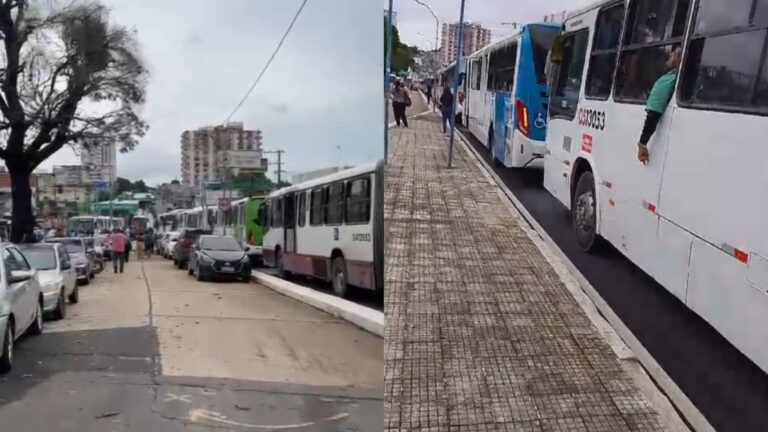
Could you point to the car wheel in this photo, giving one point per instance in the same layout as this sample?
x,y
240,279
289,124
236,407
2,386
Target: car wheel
x,y
61,307
75,296
6,357
584,212
37,325
339,277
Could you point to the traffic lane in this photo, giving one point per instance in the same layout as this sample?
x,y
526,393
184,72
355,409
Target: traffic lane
x,y
363,297
730,390
247,331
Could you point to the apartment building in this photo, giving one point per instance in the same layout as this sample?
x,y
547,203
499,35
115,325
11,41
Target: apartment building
x,y
475,37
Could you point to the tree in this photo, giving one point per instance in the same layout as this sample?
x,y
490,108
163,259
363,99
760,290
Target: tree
x,y
69,77
122,185
175,182
139,186
402,55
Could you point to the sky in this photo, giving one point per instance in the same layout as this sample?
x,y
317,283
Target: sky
x,y
320,100
417,26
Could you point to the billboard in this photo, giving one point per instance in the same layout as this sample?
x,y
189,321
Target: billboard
x,y
69,175
246,159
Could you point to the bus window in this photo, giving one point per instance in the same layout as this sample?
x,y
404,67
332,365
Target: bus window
x,y
302,208
501,69
542,38
602,62
334,213
565,94
264,220
358,201
316,207
477,70
711,74
277,213
654,29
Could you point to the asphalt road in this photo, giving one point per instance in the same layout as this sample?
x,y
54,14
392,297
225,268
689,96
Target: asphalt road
x,y
730,390
152,349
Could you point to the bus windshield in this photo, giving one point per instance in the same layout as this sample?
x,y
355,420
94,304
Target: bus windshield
x,y
542,38
81,225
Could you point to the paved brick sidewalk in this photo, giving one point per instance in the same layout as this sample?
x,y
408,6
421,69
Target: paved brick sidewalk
x,y
481,334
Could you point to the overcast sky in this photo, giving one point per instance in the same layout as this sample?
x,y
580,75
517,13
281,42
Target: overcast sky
x,y
414,19
323,90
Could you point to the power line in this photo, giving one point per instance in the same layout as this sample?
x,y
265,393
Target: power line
x,y
266,66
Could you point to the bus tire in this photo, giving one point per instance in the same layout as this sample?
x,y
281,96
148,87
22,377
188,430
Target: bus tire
x,y
339,277
584,212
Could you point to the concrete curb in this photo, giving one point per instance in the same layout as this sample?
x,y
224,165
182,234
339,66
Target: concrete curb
x,y
367,319
669,400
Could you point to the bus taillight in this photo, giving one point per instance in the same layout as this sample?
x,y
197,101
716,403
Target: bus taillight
x,y
522,118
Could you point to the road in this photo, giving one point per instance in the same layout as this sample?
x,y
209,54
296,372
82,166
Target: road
x,y
152,349
730,390
418,106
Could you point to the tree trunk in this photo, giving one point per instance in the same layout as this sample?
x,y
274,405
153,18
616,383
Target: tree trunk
x,y
22,216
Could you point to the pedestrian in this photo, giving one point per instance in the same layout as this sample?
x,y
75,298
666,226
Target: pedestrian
x,y
149,242
658,99
446,102
459,109
429,91
400,101
128,246
117,244
139,244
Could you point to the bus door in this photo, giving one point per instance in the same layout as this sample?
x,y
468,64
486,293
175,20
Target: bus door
x,y
289,212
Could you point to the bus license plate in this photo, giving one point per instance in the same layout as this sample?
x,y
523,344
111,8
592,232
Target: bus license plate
x,y
227,268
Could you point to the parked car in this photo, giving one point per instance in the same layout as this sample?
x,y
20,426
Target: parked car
x,y
170,244
21,302
96,245
81,256
56,275
181,251
219,257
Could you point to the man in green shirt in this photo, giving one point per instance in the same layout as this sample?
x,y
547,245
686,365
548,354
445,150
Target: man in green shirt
x,y
658,99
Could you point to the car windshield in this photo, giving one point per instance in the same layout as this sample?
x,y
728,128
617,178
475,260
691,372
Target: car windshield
x,y
71,245
41,258
220,244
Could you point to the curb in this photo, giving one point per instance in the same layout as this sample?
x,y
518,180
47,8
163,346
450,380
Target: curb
x,y
676,411
367,319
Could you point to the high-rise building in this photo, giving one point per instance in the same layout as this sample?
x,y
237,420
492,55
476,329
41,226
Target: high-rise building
x,y
475,37
99,161
207,153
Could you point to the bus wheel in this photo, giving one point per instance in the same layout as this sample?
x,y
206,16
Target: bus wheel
x,y
339,276
584,212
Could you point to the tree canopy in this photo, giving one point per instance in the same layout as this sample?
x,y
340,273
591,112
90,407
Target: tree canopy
x,y
402,54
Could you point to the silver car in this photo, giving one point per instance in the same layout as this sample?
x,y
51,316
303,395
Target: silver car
x,y
21,301
56,276
81,257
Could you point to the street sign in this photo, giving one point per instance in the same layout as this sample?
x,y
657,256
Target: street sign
x,y
224,204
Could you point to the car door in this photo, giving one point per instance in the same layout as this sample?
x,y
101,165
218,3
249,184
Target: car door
x,y
24,300
67,270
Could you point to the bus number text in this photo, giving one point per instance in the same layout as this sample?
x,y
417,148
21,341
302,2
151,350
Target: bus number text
x,y
361,237
592,118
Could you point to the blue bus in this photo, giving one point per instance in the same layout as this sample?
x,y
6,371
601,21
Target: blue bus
x,y
507,95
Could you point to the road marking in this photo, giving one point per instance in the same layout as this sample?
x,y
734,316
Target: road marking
x,y
196,415
172,397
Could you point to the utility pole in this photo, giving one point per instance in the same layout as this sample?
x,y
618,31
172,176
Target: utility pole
x,y
279,163
459,52
387,72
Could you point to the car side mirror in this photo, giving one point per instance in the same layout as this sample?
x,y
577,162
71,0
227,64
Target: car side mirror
x,y
19,276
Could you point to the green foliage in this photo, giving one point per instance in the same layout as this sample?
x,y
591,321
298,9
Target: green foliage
x,y
402,54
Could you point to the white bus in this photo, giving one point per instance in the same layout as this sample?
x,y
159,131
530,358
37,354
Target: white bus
x,y
696,217
330,228
506,104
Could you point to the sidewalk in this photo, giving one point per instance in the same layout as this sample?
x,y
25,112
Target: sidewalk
x,y
481,334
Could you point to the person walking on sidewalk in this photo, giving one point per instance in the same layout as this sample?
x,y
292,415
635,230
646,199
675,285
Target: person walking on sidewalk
x,y
429,91
149,242
139,244
128,245
446,102
459,109
400,101
117,242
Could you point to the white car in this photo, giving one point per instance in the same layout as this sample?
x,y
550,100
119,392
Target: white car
x,y
56,275
21,302
170,243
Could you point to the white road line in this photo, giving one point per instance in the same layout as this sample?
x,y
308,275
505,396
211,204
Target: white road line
x,y
196,415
